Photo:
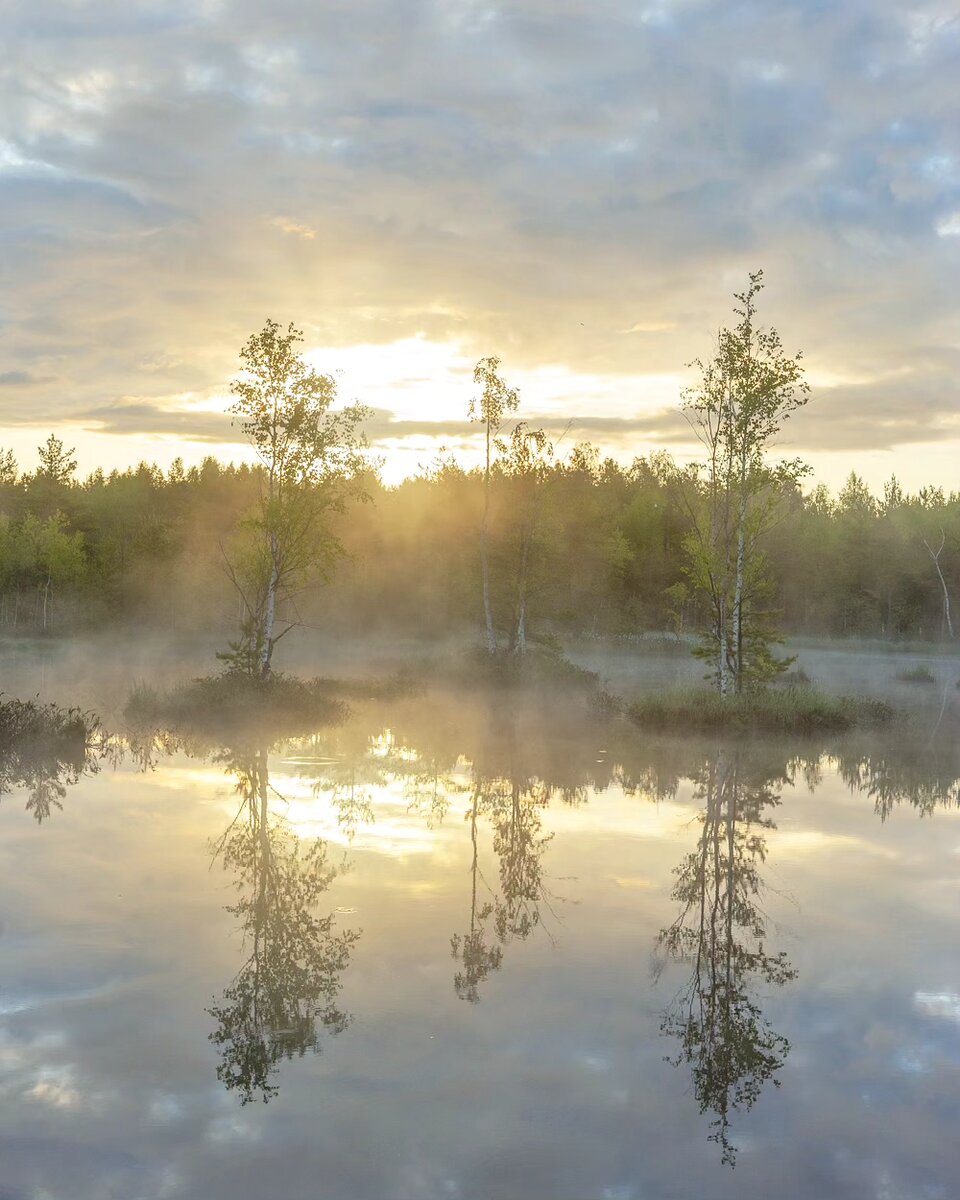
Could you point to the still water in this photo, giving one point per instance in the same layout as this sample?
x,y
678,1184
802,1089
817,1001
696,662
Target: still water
x,y
482,947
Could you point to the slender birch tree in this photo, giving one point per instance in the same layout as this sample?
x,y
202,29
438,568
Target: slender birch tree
x,y
745,394
312,465
493,405
525,461
935,556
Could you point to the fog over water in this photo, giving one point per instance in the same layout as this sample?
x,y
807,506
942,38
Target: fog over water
x,y
458,946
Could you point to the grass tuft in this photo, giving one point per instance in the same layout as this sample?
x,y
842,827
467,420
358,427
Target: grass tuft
x,y
232,704
788,710
539,667
29,728
919,674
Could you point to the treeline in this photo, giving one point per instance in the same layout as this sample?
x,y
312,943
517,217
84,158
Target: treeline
x,y
602,548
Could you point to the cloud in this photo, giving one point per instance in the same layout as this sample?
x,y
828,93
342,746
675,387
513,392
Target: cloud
x,y
533,179
141,419
136,418
21,379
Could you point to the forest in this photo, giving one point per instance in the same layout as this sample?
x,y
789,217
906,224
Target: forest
x,y
737,548
142,545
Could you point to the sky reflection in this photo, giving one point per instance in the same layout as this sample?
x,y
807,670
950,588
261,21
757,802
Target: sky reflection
x,y
536,1068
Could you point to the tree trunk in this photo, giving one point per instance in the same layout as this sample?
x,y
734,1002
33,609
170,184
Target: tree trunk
x,y
722,643
738,598
520,644
947,620
484,563
520,637
269,613
46,598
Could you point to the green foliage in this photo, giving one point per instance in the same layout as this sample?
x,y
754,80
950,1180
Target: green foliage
x,y
496,400
788,710
57,464
745,394
609,556
234,705
313,463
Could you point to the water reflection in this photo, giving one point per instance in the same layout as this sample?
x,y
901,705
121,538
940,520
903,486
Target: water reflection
x,y
45,750
289,984
925,776
287,988
500,766
512,799
720,935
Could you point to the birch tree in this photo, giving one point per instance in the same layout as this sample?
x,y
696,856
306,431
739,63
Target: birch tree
x,y
737,409
935,556
525,462
493,405
312,462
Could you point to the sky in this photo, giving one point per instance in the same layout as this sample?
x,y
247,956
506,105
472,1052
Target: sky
x,y
576,186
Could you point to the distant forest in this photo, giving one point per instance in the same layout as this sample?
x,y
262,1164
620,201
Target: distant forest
x,y
144,546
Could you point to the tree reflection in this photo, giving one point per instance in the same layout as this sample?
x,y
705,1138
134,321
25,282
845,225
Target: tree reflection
x,y
513,801
289,984
477,955
725,1040
925,776
44,750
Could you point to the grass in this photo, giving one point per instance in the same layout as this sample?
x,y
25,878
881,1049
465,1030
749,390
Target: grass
x,y
919,674
798,677
226,705
233,704
539,667
28,728
787,710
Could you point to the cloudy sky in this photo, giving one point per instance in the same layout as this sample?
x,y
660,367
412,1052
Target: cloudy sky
x,y
574,185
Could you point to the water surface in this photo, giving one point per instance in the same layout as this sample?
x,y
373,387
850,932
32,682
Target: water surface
x,y
483,946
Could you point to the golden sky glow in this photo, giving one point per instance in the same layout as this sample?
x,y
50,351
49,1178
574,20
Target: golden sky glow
x,y
171,175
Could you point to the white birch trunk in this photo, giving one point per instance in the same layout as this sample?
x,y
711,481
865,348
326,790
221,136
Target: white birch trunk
x,y
738,597
520,646
722,641
270,612
484,563
943,583
520,639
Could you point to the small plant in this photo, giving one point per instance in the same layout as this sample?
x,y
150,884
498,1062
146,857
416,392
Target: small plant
x,y
919,674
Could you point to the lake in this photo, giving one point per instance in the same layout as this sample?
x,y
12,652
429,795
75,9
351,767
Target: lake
x,y
481,945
